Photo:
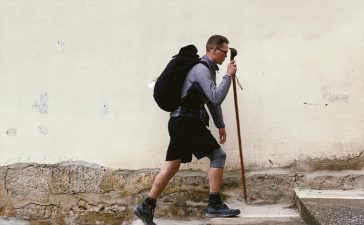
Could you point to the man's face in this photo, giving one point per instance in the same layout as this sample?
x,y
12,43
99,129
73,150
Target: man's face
x,y
221,53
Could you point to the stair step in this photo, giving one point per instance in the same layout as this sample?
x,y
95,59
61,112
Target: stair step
x,y
277,214
331,207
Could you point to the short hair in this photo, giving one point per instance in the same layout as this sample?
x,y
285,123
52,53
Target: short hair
x,y
216,41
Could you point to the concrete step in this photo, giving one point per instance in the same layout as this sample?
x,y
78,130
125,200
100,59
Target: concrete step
x,y
13,221
277,214
331,207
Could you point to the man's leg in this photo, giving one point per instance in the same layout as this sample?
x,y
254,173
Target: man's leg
x,y
145,211
168,171
216,170
216,208
215,179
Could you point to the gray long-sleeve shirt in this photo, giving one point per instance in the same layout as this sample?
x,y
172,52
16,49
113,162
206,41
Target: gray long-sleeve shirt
x,y
204,80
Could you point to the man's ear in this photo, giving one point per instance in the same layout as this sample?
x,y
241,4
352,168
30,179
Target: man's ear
x,y
213,50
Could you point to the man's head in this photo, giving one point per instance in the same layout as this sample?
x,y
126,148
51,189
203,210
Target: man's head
x,y
217,48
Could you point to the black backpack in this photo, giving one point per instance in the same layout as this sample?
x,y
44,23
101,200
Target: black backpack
x,y
168,87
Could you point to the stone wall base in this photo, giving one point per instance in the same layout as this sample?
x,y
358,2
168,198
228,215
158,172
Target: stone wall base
x,y
82,193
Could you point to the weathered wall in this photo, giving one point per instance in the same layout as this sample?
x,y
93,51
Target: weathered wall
x,y
74,78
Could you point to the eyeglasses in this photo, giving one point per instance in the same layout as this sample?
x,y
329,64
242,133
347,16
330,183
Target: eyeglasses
x,y
225,52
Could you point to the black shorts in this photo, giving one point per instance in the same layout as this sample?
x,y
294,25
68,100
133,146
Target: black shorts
x,y
189,136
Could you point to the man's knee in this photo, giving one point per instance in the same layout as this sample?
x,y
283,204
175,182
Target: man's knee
x,y
217,158
171,167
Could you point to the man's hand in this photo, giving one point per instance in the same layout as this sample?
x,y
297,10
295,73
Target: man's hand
x,y
231,69
222,133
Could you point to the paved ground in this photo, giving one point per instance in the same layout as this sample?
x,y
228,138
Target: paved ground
x,y
235,221
251,215
331,207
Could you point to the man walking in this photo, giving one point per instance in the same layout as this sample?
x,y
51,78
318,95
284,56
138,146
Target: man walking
x,y
189,134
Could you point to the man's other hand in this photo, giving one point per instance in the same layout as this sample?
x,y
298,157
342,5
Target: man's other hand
x,y
222,133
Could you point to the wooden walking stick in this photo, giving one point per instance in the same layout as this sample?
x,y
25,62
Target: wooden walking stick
x,y
233,53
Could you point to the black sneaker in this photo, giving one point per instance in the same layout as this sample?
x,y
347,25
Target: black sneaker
x,y
145,212
221,210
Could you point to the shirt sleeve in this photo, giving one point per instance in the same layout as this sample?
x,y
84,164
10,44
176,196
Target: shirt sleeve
x,y
216,114
215,94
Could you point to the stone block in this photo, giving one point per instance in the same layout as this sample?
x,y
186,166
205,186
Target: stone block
x,y
345,182
139,180
114,180
100,213
3,172
266,188
3,194
8,211
85,206
28,183
187,181
70,179
36,212
3,191
116,197
349,162
360,182
65,202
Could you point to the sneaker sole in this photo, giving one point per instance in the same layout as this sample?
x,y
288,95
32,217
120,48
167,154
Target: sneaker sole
x,y
221,215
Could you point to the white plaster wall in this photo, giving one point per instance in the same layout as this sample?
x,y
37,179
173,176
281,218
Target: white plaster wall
x,y
74,78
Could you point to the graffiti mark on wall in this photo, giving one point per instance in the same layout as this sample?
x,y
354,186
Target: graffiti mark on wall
x,y
11,132
327,94
42,130
42,104
105,109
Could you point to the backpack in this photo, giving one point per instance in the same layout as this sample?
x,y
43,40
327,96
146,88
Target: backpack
x,y
168,87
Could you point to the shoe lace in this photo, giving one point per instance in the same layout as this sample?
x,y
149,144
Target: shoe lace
x,y
224,206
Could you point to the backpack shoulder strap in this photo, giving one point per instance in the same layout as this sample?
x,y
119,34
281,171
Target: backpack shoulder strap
x,y
206,64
